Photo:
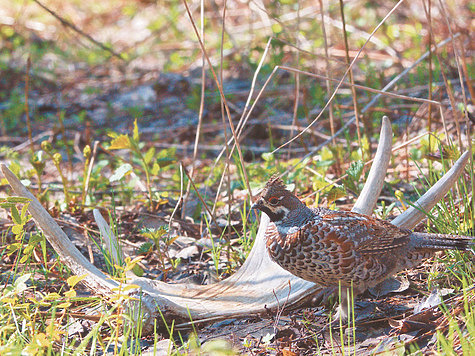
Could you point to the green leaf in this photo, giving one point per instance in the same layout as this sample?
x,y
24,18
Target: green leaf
x,y
120,142
120,172
35,239
17,229
70,293
155,169
64,305
15,215
136,135
13,247
18,200
165,161
73,280
355,170
321,184
149,155
326,154
6,205
129,287
276,28
24,211
145,248
138,271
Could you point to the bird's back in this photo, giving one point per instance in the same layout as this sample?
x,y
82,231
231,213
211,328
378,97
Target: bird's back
x,y
338,246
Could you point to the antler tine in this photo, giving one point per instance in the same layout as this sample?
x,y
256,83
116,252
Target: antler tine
x,y
412,216
372,188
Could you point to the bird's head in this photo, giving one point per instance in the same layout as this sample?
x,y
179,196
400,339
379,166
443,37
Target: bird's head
x,y
276,201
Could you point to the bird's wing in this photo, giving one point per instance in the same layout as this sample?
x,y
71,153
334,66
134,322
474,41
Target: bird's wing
x,y
369,235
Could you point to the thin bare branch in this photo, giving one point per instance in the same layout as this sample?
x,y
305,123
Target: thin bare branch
x,y
343,77
201,198
200,113
221,93
82,33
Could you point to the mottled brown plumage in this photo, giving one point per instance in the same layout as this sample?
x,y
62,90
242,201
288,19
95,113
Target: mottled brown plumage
x,y
333,248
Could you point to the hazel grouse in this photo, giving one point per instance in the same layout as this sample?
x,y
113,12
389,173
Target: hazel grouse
x,y
333,248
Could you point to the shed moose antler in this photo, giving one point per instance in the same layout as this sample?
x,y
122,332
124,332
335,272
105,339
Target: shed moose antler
x,y
258,286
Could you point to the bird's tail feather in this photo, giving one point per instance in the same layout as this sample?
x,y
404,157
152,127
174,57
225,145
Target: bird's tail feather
x,y
442,242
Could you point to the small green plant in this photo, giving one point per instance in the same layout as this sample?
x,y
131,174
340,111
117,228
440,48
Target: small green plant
x,y
148,160
246,233
352,181
57,159
175,262
216,248
459,335
161,240
24,247
384,210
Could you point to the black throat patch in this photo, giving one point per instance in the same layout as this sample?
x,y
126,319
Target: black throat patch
x,y
273,216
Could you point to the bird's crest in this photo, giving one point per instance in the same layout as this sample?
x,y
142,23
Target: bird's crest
x,y
275,183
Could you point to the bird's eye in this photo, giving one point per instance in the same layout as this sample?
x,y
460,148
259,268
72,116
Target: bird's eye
x,y
273,200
